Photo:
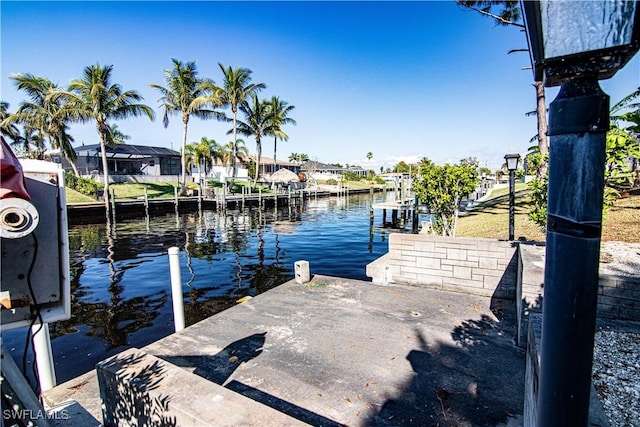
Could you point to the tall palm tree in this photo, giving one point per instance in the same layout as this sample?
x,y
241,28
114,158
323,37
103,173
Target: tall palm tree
x,y
508,13
45,113
188,95
279,116
236,88
256,124
94,97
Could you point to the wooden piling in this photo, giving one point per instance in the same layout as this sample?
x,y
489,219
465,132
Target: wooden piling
x,y
175,198
146,203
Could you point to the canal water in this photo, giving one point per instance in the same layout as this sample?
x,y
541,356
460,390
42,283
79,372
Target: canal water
x,y
120,281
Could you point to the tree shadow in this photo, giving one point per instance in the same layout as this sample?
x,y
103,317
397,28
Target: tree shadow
x,y
477,381
125,396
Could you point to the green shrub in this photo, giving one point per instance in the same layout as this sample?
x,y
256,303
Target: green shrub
x,y
350,176
332,181
86,186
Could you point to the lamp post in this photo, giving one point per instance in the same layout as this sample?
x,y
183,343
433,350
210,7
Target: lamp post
x,y
575,44
512,165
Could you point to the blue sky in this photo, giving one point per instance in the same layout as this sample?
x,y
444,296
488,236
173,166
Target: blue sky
x,y
403,80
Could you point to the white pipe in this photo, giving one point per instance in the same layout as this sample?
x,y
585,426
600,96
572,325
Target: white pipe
x,y
176,288
44,356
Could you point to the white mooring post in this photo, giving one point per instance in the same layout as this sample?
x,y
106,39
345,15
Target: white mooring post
x,y
176,288
302,272
44,356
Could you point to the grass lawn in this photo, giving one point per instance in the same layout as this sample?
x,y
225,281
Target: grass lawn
x,y
491,220
75,197
134,190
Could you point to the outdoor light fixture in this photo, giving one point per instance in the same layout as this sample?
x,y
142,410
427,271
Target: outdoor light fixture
x,y
512,165
512,161
574,44
569,39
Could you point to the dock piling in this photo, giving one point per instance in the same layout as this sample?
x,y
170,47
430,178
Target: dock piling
x,y
176,288
44,356
175,198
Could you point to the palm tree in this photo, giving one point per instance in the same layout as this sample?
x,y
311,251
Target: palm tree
x,y
278,116
505,13
96,98
256,124
298,158
202,153
233,151
369,155
7,127
237,87
46,114
31,142
117,137
188,95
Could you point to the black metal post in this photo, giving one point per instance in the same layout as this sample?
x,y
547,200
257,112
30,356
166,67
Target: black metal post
x,y
512,203
578,121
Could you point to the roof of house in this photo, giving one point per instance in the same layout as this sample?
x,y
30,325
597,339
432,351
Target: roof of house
x,y
269,160
129,151
315,165
318,166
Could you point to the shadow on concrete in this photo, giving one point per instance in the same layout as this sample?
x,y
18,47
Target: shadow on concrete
x,y
282,405
126,398
506,288
219,368
477,381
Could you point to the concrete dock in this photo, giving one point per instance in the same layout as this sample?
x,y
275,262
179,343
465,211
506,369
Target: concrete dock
x,y
336,352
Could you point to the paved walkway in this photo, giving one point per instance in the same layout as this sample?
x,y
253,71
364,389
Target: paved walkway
x,y
345,352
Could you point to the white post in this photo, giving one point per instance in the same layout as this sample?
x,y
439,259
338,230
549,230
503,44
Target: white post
x,y
176,288
302,274
44,356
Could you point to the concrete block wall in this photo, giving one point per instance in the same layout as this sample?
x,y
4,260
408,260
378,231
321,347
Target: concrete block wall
x,y
484,267
597,417
530,286
619,297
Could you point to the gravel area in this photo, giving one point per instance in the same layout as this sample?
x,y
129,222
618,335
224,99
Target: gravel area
x,y
616,360
619,258
616,375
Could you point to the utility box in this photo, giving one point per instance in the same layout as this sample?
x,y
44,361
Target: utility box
x,y
35,250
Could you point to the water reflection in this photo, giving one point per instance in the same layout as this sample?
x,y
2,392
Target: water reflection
x,y
120,280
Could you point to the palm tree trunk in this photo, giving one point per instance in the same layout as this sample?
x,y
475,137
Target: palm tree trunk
x,y
275,146
74,167
105,167
258,156
183,184
235,152
541,111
